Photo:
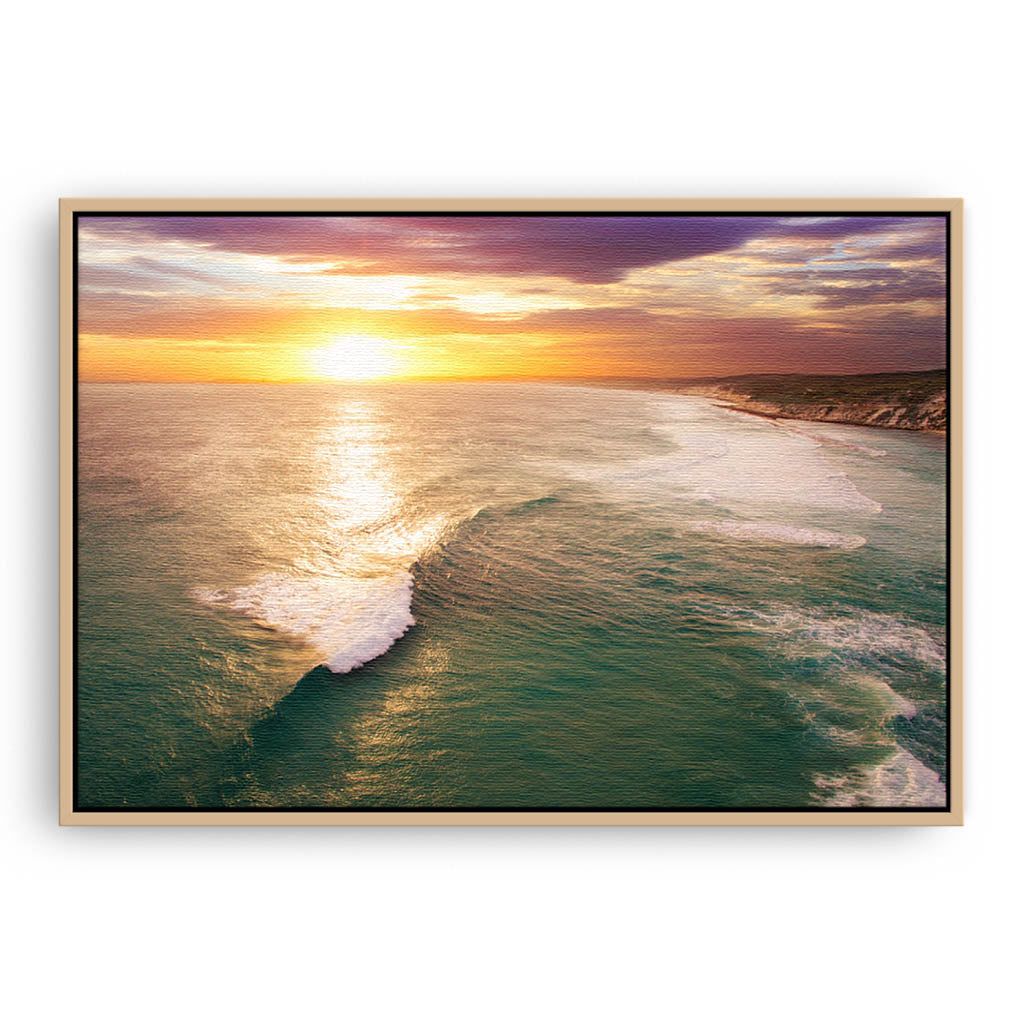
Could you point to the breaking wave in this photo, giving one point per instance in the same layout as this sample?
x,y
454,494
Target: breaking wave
x,y
349,620
857,649
350,610
901,780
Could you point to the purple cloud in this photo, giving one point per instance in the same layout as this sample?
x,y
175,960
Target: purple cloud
x,y
588,249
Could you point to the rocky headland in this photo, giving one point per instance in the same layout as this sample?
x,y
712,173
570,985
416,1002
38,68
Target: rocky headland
x,y
902,401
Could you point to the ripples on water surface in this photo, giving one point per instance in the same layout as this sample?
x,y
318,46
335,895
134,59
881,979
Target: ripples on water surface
x,y
517,594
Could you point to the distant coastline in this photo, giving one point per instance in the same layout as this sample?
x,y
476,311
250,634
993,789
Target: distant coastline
x,y
900,401
914,400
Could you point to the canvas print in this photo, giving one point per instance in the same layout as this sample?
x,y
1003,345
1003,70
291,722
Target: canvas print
x,y
511,511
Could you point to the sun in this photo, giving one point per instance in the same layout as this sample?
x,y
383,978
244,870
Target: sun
x,y
354,357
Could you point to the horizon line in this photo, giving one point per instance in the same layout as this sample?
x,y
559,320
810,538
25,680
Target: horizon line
x,y
512,378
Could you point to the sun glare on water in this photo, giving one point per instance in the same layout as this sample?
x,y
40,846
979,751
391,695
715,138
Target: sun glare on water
x,y
354,357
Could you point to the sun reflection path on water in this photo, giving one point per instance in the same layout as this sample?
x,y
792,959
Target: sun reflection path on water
x,y
369,520
359,485
382,736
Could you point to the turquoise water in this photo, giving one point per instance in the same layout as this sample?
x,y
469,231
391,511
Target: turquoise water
x,y
502,595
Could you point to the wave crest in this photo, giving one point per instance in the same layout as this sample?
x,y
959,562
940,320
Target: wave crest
x,y
350,620
353,602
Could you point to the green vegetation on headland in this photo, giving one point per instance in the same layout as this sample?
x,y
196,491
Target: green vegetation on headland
x,y
904,401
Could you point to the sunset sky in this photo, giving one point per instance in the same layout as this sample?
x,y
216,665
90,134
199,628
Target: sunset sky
x,y
165,298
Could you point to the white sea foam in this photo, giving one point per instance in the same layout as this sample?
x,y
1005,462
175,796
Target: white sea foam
x,y
847,638
778,533
352,603
899,781
736,461
808,631
835,442
348,619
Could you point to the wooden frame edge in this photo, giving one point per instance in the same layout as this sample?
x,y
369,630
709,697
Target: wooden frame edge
x,y
955,483
68,815
837,818
66,431
493,204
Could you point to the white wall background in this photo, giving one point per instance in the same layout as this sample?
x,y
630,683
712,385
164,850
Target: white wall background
x,y
563,99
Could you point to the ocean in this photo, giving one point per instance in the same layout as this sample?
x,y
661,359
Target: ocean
x,y
502,595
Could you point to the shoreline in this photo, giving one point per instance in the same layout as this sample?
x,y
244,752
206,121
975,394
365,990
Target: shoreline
x,y
762,414
898,401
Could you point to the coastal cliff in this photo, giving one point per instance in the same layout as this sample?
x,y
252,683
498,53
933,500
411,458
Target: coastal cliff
x,y
902,401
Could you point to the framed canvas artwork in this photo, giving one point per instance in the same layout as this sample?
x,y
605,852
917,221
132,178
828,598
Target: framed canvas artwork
x,y
511,511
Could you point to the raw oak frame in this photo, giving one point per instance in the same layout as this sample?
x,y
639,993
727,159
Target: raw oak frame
x,y
952,815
